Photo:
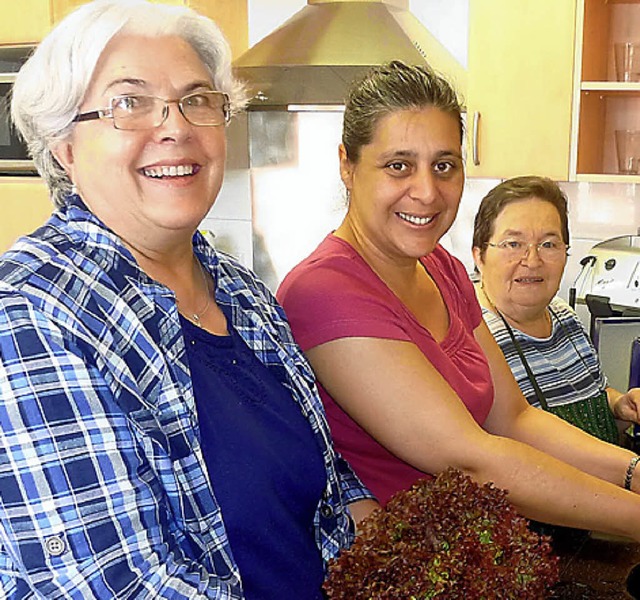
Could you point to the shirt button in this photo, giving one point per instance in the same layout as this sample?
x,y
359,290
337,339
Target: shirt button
x,y
54,545
326,511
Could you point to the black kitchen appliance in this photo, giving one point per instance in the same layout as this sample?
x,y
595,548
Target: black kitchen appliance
x,y
14,158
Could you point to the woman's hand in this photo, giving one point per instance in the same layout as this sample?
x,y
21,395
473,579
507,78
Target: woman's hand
x,y
627,406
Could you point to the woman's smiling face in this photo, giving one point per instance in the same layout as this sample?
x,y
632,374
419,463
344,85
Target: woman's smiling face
x,y
528,283
152,185
405,188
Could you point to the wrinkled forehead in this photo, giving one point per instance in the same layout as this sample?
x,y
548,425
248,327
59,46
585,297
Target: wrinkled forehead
x,y
143,64
531,216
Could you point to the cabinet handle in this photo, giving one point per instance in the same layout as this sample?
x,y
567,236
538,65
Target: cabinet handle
x,y
474,145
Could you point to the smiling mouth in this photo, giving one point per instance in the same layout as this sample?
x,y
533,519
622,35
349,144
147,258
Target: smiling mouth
x,y
159,172
529,280
415,220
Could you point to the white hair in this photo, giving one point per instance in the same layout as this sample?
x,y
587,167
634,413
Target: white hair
x,y
50,87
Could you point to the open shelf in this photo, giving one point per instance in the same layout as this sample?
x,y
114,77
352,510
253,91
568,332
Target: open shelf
x,y
602,105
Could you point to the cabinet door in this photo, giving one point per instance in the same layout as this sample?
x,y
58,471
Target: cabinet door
x,y
520,83
230,15
26,21
61,8
232,18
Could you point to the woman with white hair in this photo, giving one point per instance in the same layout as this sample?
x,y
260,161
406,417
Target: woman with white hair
x,y
160,432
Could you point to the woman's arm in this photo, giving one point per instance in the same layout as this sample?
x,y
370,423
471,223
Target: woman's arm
x,y
514,417
399,398
84,509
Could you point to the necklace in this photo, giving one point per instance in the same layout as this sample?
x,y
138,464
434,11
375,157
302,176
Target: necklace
x,y
196,317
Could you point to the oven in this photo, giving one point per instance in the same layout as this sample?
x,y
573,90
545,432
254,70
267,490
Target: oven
x,y
14,158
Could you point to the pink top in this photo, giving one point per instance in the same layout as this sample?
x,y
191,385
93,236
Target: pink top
x,y
334,294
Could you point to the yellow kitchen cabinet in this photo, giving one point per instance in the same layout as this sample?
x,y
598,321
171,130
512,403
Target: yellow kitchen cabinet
x,y
28,21
230,15
24,21
25,206
603,104
60,8
520,87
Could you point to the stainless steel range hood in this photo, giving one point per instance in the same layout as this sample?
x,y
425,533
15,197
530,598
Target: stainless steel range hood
x,y
312,57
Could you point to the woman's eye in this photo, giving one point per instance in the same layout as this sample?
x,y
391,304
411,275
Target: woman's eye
x,y
398,167
549,244
127,103
512,244
196,100
444,167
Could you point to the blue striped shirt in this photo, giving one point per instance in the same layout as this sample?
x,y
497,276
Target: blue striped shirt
x,y
564,375
103,488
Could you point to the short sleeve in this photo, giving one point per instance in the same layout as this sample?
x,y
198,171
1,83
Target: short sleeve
x,y
338,297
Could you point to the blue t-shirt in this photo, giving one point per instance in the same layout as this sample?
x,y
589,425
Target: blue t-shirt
x,y
265,466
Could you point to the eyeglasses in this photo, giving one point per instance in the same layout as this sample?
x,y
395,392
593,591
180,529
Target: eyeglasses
x,y
548,250
138,111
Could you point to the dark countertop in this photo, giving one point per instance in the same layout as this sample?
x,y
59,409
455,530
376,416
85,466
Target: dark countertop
x,y
595,567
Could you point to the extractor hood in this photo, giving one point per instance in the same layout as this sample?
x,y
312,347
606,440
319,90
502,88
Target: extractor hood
x,y
313,57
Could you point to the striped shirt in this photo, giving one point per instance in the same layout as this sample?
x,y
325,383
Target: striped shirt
x,y
563,374
103,487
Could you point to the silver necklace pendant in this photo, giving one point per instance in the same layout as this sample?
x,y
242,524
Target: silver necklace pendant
x,y
196,318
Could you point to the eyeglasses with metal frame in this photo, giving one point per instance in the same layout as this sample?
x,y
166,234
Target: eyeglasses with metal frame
x,y
133,112
548,250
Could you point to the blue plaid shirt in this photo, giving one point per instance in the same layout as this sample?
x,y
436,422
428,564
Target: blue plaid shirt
x,y
103,487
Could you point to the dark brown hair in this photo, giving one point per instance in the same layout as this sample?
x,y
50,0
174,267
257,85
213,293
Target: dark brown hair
x,y
386,89
512,190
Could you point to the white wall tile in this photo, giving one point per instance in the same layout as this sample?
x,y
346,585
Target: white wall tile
x,y
448,21
234,199
459,238
597,211
267,15
230,236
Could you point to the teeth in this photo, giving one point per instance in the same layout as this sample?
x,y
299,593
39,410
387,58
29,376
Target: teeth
x,y
172,171
415,220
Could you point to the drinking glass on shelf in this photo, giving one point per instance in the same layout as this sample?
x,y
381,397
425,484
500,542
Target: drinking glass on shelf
x,y
627,60
628,151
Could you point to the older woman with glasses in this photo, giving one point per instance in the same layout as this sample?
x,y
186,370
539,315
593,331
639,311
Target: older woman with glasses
x,y
520,243
161,435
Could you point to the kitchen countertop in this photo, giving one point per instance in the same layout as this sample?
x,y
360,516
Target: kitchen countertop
x,y
595,567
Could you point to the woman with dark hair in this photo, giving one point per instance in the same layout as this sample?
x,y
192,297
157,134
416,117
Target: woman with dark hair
x,y
412,379
520,243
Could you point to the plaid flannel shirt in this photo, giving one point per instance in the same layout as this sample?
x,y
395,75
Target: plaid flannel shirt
x,y
103,488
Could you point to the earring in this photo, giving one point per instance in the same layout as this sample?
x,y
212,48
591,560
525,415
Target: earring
x,y
74,189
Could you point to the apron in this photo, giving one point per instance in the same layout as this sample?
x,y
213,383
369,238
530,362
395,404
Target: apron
x,y
592,415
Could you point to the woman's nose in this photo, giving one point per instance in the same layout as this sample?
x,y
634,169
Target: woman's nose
x,y
531,255
424,186
174,126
